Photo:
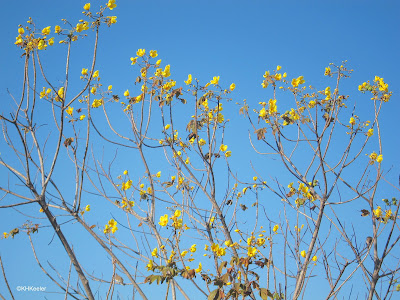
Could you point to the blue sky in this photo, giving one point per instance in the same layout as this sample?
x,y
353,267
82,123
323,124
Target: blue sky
x,y
237,40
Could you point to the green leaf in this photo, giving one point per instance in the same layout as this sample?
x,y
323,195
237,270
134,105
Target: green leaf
x,y
214,295
264,294
221,266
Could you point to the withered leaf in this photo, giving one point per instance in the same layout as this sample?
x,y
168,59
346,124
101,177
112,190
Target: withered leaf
x,y
68,142
364,213
260,133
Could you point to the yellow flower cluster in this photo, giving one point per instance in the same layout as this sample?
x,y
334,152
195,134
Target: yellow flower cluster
x,y
126,185
328,95
297,81
252,251
45,93
375,157
177,223
219,251
97,103
383,87
327,71
110,227
81,26
126,203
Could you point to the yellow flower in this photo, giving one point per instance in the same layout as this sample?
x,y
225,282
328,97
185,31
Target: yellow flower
x,y
228,153
93,90
113,19
126,93
232,86
262,113
379,158
189,80
373,156
87,207
251,251
163,220
221,251
167,71
227,243
82,117
84,71
167,126
177,213
276,227
154,252
70,110
327,71
215,80
111,4
42,45
278,68
126,185
57,29
311,104
202,142
114,229
378,212
153,53
370,132
141,52
21,30
46,30
51,41
126,172
272,106
60,92
158,175
303,253
183,253
97,103
260,241
315,258
193,248
255,178
19,41
133,60
223,147
297,81
96,74
149,266
198,270
86,6
352,121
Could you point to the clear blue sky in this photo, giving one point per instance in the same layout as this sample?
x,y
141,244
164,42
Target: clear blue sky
x,y
238,40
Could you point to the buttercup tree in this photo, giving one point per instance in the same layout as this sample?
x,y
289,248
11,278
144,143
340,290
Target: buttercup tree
x,y
155,187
